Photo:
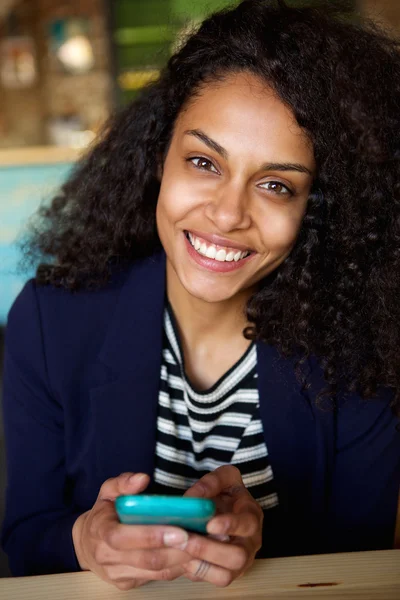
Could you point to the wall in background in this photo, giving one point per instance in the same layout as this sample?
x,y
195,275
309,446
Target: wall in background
x,y
21,111
22,190
24,114
144,34
88,95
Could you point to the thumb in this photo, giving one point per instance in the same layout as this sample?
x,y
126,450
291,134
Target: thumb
x,y
124,484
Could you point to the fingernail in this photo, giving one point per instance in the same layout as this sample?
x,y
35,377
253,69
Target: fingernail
x,y
199,489
137,478
218,527
176,539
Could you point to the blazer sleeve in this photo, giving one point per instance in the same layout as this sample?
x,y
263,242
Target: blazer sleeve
x,y
37,529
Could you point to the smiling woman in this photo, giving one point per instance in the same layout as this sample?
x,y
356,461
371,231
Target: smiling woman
x,y
216,312
229,163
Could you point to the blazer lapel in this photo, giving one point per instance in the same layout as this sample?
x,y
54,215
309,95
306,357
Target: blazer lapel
x,y
125,407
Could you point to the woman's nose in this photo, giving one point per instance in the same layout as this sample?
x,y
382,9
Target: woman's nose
x,y
229,209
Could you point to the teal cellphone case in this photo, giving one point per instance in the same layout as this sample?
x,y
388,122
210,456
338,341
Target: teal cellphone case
x,y
188,513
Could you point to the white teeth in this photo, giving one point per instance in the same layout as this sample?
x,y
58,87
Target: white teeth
x,y
220,255
212,252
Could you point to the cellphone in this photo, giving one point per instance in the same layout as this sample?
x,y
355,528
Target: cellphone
x,y
189,513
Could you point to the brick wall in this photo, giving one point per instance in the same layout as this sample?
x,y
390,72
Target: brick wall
x,y
89,95
24,114
21,110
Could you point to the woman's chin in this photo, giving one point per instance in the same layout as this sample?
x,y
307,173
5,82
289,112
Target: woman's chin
x,y
210,293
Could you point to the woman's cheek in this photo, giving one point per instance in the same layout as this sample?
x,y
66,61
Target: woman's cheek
x,y
177,201
280,233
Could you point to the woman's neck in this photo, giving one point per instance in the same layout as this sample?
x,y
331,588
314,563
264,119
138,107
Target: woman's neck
x,y
198,320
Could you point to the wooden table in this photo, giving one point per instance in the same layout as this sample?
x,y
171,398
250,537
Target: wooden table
x,y
366,576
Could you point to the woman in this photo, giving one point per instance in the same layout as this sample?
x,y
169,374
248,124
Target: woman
x,y
219,315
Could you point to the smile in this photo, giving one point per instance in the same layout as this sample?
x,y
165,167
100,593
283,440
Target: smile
x,y
214,252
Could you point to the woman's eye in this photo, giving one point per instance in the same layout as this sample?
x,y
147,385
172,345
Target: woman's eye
x,y
276,187
203,164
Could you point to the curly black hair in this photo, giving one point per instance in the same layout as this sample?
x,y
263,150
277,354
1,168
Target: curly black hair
x,y
337,296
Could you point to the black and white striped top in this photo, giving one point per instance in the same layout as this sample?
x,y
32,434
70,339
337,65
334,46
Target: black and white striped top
x,y
200,431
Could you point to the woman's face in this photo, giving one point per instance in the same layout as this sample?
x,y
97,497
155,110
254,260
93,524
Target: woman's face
x,y
234,188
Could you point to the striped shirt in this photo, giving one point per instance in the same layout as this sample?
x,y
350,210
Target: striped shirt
x,y
198,432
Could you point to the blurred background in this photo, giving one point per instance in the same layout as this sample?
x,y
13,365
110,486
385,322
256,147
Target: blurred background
x,y
65,65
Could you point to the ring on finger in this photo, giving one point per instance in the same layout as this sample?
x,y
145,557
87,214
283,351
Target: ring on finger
x,y
202,569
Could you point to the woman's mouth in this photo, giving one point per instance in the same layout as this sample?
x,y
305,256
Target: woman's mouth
x,y
215,257
220,253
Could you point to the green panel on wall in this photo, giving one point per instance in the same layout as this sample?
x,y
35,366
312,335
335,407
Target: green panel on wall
x,y
183,9
141,12
127,36
129,95
142,55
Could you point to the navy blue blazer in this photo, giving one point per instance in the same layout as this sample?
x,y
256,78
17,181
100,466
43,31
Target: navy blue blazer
x,y
80,405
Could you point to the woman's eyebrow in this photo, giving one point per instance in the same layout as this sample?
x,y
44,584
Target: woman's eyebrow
x,y
286,167
213,145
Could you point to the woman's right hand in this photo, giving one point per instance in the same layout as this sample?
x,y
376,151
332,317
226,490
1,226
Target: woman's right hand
x,y
126,556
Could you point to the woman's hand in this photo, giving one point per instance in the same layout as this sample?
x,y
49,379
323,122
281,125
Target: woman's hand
x,y
239,516
127,555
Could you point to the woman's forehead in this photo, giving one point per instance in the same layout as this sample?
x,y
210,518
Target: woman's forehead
x,y
242,112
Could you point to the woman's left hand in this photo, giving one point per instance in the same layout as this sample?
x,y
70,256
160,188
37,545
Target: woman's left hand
x,y
238,516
